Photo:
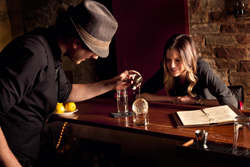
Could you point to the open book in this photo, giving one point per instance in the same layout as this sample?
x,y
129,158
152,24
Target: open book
x,y
207,117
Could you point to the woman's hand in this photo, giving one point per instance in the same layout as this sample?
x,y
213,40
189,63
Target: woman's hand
x,y
187,99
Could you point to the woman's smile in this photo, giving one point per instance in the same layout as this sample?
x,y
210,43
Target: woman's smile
x,y
174,63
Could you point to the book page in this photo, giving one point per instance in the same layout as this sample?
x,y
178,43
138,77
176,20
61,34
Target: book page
x,y
220,113
194,117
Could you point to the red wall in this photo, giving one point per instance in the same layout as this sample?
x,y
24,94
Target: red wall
x,y
143,28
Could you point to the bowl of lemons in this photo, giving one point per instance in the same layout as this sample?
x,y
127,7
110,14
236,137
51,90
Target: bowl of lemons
x,y
65,109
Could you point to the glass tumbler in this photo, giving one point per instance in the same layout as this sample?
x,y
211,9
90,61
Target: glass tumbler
x,y
122,102
140,112
241,143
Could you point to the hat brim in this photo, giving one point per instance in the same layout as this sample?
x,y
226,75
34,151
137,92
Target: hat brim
x,y
100,50
95,26
103,53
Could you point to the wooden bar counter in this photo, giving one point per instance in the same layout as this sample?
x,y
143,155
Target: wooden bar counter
x,y
96,113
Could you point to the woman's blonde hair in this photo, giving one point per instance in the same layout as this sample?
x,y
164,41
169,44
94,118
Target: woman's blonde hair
x,y
189,56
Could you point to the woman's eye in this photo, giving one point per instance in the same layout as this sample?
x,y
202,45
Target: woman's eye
x,y
178,60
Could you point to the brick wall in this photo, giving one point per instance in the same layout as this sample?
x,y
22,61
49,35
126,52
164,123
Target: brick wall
x,y
223,39
5,33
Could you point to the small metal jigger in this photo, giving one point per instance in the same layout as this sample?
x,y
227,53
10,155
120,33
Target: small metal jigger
x,y
201,136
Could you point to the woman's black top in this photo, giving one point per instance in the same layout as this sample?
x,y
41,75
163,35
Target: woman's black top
x,y
209,86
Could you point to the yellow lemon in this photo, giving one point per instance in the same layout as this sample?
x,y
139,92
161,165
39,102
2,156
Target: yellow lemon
x,y
71,106
60,104
59,108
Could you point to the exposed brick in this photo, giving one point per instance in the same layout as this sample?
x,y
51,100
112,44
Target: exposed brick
x,y
243,39
224,41
199,40
229,6
231,53
198,18
213,5
228,28
244,66
207,51
240,28
216,16
231,18
236,28
247,28
243,19
5,28
240,78
220,16
212,28
194,6
227,64
220,40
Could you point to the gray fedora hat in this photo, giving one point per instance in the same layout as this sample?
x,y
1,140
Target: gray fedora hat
x,y
95,25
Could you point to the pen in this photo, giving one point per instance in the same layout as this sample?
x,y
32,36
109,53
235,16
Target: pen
x,y
204,112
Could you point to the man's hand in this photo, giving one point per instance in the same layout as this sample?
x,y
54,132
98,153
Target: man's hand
x,y
81,92
124,80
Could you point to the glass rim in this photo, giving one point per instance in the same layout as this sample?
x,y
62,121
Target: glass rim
x,y
199,131
242,117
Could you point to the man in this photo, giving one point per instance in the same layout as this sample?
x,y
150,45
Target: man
x,y
32,80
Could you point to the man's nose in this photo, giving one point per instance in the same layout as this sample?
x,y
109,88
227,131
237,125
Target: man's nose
x,y
95,56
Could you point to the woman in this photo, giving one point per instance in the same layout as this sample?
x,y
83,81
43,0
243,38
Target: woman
x,y
186,78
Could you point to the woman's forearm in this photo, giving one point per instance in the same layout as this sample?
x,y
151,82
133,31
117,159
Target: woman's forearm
x,y
154,97
177,99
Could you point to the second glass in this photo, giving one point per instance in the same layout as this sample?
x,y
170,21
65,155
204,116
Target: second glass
x,y
140,112
122,102
241,143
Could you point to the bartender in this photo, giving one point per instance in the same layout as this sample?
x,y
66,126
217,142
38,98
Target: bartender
x,y
32,80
